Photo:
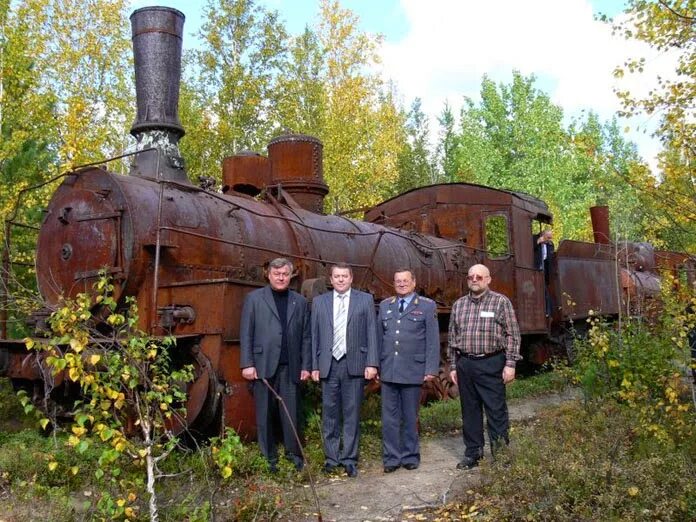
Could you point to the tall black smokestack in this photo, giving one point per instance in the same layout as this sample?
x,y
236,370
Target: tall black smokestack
x,y
157,37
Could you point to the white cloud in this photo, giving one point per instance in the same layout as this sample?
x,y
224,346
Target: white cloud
x,y
450,44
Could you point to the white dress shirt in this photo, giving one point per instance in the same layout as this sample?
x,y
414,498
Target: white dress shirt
x,y
336,306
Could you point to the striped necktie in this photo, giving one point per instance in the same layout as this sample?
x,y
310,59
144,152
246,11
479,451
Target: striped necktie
x,y
339,345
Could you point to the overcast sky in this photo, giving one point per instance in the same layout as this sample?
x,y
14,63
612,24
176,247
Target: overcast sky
x,y
439,50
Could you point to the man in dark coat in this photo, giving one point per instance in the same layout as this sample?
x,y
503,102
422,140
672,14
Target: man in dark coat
x,y
409,342
344,352
543,256
275,346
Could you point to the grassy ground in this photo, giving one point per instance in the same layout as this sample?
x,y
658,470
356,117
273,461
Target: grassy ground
x,y
578,462
445,417
583,462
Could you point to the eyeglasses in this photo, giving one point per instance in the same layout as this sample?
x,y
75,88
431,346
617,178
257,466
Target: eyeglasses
x,y
475,277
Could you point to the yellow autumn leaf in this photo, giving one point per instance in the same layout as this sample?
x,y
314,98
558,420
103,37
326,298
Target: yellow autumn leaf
x,y
129,512
77,345
52,465
79,431
29,343
132,497
94,359
74,470
121,502
226,472
74,374
633,491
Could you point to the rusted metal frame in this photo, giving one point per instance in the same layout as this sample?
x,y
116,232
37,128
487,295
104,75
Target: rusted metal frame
x,y
73,171
253,247
196,282
89,274
363,283
98,217
158,228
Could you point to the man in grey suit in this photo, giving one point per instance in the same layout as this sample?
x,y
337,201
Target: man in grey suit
x,y
344,355
409,342
275,346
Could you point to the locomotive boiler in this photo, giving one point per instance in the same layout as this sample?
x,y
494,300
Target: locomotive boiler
x,y
189,255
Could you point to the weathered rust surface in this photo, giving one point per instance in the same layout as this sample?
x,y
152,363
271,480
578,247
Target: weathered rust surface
x,y
297,167
246,173
588,279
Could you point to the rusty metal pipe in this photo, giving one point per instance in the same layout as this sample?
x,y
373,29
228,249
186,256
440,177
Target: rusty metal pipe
x,y
157,36
600,224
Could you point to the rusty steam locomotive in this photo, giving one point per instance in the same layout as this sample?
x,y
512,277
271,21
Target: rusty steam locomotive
x,y
189,255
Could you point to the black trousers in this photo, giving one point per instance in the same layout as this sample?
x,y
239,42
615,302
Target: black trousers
x,y
481,387
268,411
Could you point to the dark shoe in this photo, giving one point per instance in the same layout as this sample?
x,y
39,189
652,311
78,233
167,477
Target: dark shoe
x,y
468,463
296,460
411,466
390,469
272,468
351,470
329,469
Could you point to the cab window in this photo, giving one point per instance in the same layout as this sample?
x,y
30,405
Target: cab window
x,y
497,240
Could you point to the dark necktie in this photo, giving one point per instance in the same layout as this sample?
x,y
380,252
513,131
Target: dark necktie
x,y
402,302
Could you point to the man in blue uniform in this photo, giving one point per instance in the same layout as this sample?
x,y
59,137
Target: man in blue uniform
x,y
409,344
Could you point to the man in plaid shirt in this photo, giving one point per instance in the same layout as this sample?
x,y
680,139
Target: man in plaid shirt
x,y
484,346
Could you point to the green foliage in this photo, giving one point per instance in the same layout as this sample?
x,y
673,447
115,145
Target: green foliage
x,y
129,386
514,138
576,463
243,53
11,410
416,164
231,456
450,142
667,26
641,365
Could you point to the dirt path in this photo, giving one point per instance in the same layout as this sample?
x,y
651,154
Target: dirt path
x,y
375,496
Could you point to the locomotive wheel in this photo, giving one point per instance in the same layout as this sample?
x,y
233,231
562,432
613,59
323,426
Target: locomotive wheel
x,y
203,394
439,389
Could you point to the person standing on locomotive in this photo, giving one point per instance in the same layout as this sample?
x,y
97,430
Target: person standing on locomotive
x,y
344,352
543,255
276,351
484,347
409,344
